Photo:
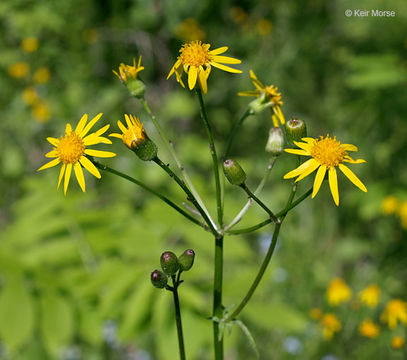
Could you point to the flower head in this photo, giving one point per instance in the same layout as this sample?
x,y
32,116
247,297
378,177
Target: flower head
x,y
330,325
197,60
127,72
42,75
41,112
369,329
396,310
327,154
30,44
19,70
134,134
189,30
269,95
390,205
315,313
370,295
72,148
338,292
397,342
30,95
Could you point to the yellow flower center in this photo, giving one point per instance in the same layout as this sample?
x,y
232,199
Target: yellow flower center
x,y
70,148
195,54
134,136
328,151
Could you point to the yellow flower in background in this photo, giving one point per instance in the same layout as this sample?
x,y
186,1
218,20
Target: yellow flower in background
x,y
197,60
338,292
42,75
327,154
238,15
316,313
270,95
127,72
30,95
395,311
19,70
71,150
30,44
264,27
369,329
330,325
370,295
397,342
390,205
403,214
134,134
41,112
189,30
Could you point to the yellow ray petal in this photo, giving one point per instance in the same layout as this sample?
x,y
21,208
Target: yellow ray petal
x,y
53,141
68,128
218,51
296,151
352,177
119,136
226,60
304,146
333,184
352,161
50,164
52,154
90,124
94,139
256,82
298,170
226,68
192,75
202,79
99,153
67,177
128,121
349,147
249,93
61,175
319,177
79,175
81,124
102,130
88,165
121,126
176,65
311,167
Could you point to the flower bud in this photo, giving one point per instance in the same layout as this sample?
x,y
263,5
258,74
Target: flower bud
x,y
295,130
234,172
136,87
146,150
259,104
169,263
186,260
159,279
275,142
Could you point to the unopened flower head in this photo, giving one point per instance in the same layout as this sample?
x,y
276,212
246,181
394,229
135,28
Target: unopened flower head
x,y
326,155
72,148
338,292
134,134
395,311
269,95
370,295
197,60
369,329
330,325
127,72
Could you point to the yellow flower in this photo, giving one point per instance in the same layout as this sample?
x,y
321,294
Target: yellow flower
x,y
19,70
370,295
338,292
30,44
330,325
189,30
71,150
42,75
327,154
41,112
127,72
134,134
369,329
396,310
390,205
197,60
264,27
270,95
30,96
316,313
403,214
397,342
238,15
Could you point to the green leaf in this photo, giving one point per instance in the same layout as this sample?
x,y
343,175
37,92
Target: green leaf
x,y
16,315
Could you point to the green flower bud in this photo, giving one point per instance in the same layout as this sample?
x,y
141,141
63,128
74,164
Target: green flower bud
x,y
136,87
186,260
146,150
259,104
295,130
275,142
234,172
169,263
159,279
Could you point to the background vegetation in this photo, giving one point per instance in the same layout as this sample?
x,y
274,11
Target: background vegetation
x,y
74,270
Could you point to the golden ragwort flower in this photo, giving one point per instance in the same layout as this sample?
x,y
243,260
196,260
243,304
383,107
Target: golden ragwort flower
x,y
71,150
330,325
197,60
270,94
370,295
30,44
19,70
338,292
390,205
397,342
395,310
134,134
127,72
327,154
369,329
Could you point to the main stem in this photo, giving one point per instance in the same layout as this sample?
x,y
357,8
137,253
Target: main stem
x,y
178,319
214,158
217,297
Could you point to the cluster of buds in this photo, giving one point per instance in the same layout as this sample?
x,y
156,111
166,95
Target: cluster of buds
x,y
170,266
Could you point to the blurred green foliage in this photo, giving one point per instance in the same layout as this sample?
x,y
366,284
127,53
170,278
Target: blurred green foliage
x,y
74,270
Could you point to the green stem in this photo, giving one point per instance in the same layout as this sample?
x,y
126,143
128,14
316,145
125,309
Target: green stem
x,y
258,201
214,157
190,196
217,297
178,318
150,190
233,133
170,147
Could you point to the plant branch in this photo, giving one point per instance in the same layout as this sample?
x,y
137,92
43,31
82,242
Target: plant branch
x,y
178,317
